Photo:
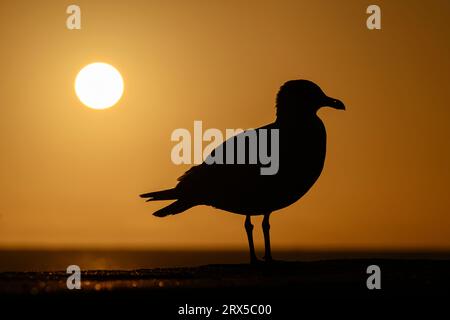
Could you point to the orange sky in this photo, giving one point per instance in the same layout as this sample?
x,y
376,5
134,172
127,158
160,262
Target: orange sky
x,y
70,176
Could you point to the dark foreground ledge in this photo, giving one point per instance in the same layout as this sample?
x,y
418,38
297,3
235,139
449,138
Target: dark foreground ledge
x,y
333,278
291,289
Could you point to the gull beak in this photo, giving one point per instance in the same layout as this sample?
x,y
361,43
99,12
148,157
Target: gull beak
x,y
334,103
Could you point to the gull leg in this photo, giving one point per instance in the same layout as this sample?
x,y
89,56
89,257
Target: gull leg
x,y
249,229
266,231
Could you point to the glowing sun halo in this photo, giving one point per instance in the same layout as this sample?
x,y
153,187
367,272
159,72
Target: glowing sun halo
x,y
99,85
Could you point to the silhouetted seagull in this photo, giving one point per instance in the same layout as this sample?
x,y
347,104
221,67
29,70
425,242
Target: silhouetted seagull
x,y
241,188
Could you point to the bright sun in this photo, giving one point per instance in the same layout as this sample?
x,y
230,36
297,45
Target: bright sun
x,y
99,85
